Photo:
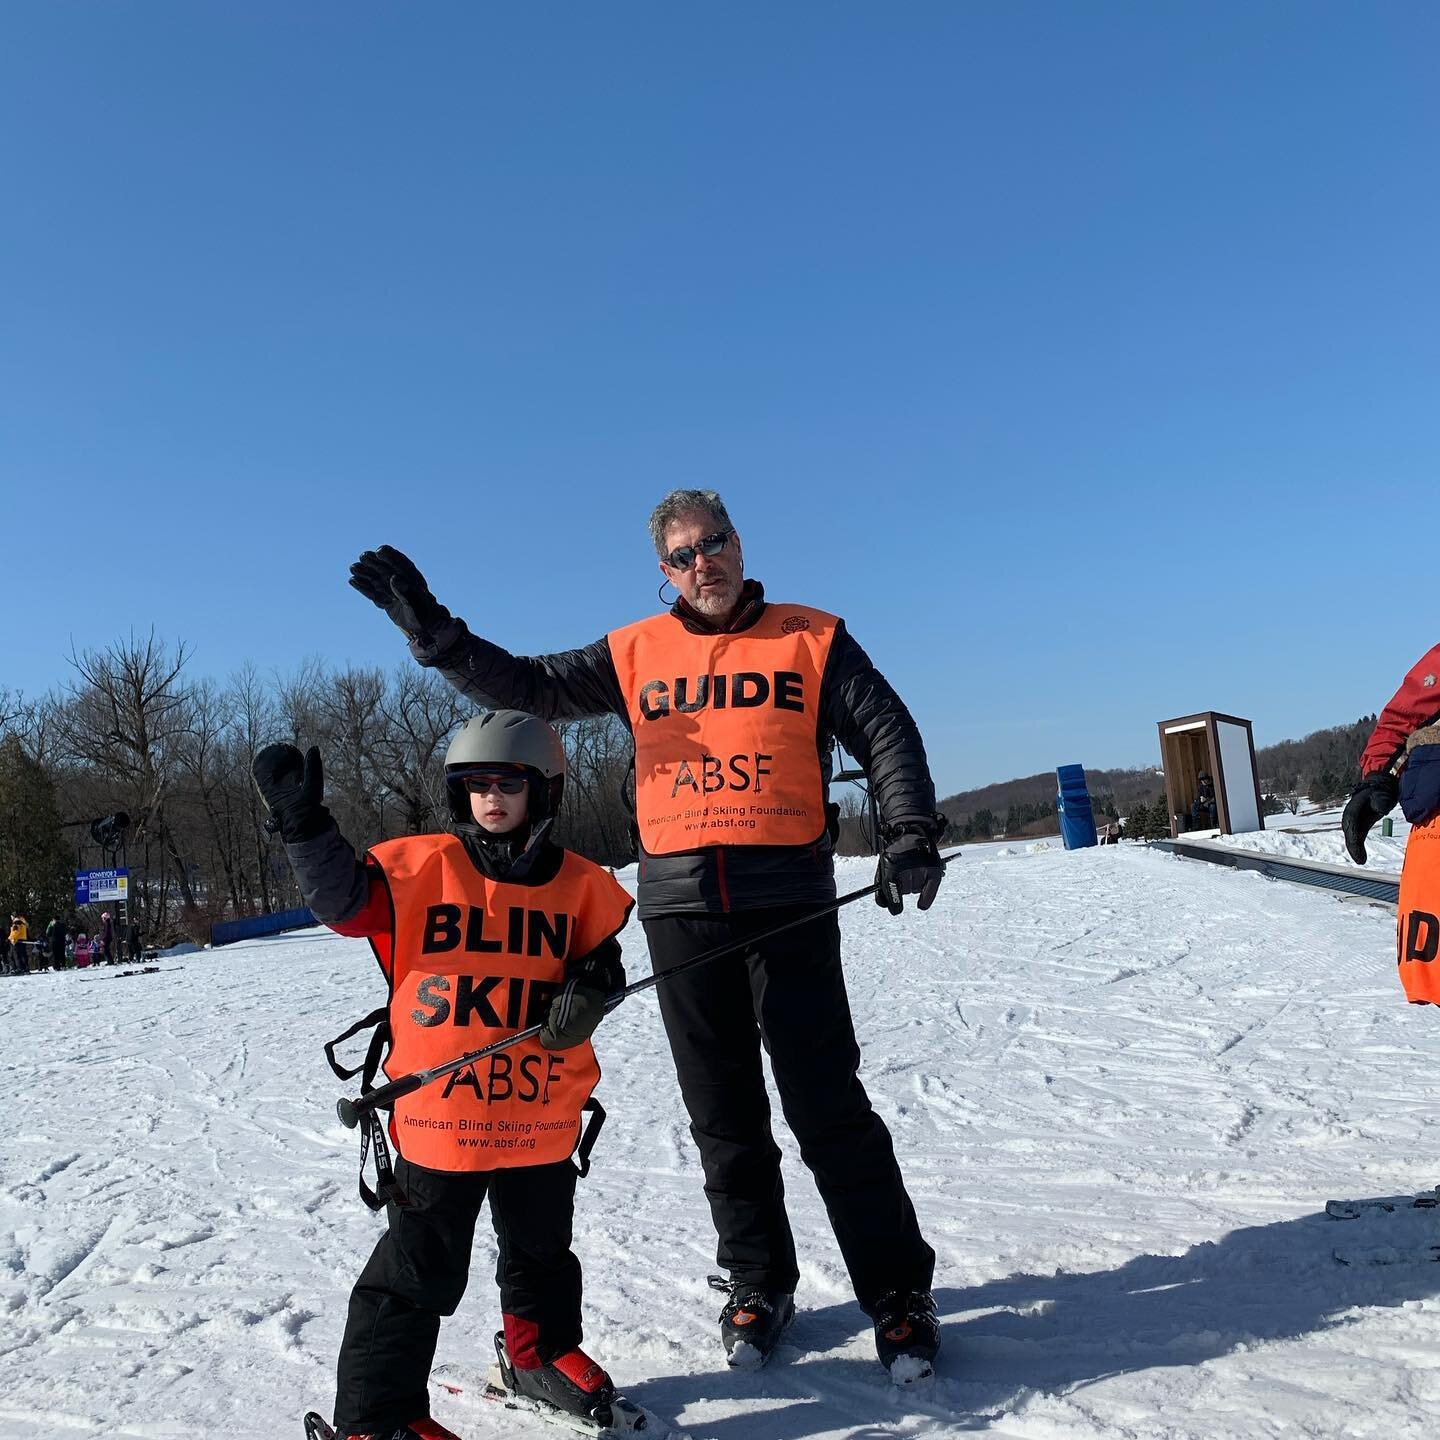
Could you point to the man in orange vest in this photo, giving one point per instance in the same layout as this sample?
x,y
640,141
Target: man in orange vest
x,y
478,934
734,701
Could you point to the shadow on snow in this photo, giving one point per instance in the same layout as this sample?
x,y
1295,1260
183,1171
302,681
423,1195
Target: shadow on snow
x,y
1005,1340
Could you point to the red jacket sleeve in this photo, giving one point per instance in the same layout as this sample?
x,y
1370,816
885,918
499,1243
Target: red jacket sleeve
x,y
376,917
1415,704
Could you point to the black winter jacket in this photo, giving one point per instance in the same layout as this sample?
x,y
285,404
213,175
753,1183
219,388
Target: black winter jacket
x,y
857,707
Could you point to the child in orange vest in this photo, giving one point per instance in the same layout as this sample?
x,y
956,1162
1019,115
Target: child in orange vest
x,y
479,934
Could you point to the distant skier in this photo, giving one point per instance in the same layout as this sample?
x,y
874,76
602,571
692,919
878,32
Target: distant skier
x,y
105,939
19,943
1401,762
492,929
55,938
734,702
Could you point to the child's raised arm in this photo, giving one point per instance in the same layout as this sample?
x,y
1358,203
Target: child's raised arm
x,y
333,881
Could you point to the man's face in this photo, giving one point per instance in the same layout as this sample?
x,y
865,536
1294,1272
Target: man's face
x,y
711,583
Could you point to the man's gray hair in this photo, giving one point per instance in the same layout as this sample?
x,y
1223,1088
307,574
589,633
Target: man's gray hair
x,y
680,503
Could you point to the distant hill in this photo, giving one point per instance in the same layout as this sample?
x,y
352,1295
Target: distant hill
x,y
1320,767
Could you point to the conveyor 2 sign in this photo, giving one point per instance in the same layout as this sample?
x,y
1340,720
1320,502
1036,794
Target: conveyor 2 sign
x,y
92,886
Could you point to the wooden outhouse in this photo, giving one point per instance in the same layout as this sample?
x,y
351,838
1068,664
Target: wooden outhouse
x,y
1222,747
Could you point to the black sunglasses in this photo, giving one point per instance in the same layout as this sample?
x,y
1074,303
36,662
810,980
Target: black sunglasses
x,y
684,557
505,784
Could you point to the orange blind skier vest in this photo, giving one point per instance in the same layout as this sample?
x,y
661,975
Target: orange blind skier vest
x,y
1417,922
725,729
472,960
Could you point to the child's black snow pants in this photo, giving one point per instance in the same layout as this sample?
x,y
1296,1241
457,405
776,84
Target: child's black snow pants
x,y
418,1273
788,993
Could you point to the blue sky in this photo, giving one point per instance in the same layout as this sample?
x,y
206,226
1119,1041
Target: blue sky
x,y
1083,356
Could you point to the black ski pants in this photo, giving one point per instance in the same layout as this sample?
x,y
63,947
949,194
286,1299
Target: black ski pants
x,y
789,995
418,1273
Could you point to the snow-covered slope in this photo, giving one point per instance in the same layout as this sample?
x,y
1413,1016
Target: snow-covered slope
x,y
1121,1086
1317,836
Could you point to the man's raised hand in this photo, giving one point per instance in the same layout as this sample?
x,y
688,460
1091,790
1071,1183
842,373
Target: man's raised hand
x,y
391,580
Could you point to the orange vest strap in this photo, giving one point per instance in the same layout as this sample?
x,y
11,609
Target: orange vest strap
x,y
596,1111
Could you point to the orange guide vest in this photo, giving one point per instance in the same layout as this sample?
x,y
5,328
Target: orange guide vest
x,y
726,729
471,960
1417,921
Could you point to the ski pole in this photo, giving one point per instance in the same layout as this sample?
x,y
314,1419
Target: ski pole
x,y
351,1112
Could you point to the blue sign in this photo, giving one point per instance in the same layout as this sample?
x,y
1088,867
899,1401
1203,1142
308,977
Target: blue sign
x,y
93,886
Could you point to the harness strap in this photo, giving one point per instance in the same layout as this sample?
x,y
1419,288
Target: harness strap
x,y
589,1135
375,1018
388,1189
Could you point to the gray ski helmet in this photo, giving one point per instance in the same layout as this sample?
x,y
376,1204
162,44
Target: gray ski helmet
x,y
502,740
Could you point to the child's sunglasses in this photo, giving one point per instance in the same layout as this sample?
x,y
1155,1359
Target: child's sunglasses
x,y
505,784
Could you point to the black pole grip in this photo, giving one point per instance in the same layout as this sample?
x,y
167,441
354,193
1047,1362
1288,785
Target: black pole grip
x,y
351,1111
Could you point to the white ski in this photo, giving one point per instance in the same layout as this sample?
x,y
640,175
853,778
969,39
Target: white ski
x,y
1353,1209
1386,1254
629,1418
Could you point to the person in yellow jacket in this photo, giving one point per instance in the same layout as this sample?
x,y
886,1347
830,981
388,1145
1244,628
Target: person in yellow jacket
x,y
479,934
19,935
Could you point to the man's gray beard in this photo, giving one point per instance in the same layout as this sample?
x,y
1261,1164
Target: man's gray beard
x,y
715,603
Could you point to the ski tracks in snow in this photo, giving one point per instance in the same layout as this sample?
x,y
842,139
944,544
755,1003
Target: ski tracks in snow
x,y
1120,1086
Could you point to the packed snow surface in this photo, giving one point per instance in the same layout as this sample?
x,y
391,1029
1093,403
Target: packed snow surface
x,y
1122,1086
1316,835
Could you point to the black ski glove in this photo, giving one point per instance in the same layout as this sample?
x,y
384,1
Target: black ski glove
x,y
574,1014
909,865
392,582
580,1005
291,785
1373,797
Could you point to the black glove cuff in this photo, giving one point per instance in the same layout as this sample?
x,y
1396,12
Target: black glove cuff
x,y
1385,785
928,827
601,969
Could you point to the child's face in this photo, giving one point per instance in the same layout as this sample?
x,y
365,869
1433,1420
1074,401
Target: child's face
x,y
494,810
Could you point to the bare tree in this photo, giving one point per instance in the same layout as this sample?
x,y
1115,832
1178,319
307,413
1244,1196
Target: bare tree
x,y
600,758
353,720
420,714
133,732
255,719
125,717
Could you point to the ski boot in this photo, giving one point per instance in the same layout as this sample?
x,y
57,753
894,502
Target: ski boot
x,y
752,1321
571,1391
426,1429
907,1334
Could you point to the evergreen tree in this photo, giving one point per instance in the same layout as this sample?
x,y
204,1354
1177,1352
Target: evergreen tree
x,y
35,878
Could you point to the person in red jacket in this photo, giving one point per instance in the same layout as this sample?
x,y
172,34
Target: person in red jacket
x,y
1401,763
1415,705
